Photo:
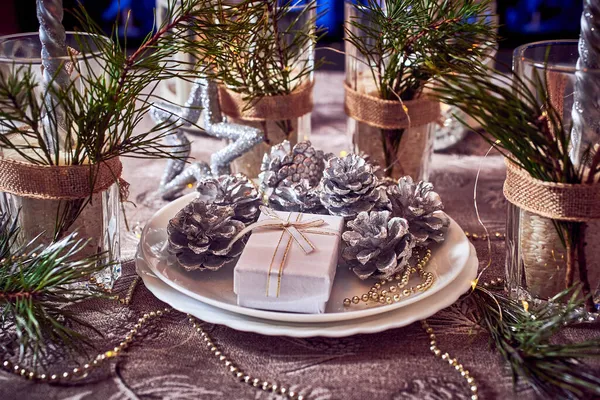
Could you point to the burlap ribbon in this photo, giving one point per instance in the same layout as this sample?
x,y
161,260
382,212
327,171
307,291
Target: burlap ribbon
x,y
267,108
566,202
390,114
68,182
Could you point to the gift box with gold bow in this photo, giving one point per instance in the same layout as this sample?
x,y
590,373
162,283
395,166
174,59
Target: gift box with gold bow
x,y
289,262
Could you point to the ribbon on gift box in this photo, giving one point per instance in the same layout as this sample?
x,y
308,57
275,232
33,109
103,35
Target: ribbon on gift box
x,y
295,229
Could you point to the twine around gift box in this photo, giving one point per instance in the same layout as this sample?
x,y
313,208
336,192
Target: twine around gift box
x,y
295,229
60,182
267,108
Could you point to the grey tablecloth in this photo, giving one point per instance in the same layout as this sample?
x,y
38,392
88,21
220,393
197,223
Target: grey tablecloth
x,y
170,362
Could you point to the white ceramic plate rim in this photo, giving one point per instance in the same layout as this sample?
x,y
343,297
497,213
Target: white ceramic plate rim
x,y
295,317
373,324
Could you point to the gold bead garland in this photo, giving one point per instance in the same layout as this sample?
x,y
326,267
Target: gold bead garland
x,y
83,371
394,293
377,294
473,388
238,373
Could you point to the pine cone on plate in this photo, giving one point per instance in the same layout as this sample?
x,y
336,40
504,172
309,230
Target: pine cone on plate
x,y
421,207
298,197
285,166
200,233
232,190
377,244
349,186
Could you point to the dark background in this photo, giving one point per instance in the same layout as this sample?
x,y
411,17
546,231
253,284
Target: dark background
x,y
521,21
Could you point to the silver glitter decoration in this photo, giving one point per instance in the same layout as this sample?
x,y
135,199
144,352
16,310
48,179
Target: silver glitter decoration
x,y
54,52
203,96
421,207
350,186
242,138
586,109
377,244
199,236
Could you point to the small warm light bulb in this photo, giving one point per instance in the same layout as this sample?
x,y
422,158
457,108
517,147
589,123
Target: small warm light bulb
x,y
189,185
343,153
474,283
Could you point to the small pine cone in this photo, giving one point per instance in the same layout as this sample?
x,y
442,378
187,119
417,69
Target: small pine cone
x,y
349,186
284,166
299,197
232,190
200,233
377,245
421,207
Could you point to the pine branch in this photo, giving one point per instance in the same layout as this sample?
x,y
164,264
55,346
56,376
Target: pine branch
x,y
261,48
523,337
35,283
403,41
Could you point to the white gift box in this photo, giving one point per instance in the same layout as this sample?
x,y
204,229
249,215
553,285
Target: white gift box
x,y
289,262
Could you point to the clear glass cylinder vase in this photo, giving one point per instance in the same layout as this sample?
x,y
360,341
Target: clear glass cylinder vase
x,y
536,259
298,15
97,218
413,154
451,131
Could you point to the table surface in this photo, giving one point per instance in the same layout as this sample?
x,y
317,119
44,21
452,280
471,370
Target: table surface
x,y
170,362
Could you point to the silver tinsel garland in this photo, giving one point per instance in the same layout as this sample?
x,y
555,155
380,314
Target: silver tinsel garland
x,y
203,96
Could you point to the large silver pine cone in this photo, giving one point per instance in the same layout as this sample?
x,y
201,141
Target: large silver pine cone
x,y
349,186
285,166
232,190
377,244
422,207
200,233
298,197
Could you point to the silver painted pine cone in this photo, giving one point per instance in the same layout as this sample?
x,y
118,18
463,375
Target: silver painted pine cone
x,y
286,166
232,190
200,233
421,207
377,245
298,197
349,186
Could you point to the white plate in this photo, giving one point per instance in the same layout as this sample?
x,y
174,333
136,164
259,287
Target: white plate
x,y
377,323
216,288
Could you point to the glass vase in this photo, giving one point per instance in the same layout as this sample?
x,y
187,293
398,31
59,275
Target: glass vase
x,y
413,154
99,219
451,131
300,14
175,90
536,259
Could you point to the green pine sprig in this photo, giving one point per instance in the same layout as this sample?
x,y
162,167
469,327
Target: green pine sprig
x,y
261,48
36,283
405,43
524,334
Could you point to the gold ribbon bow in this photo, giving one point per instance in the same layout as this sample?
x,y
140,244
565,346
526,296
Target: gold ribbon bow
x,y
293,229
